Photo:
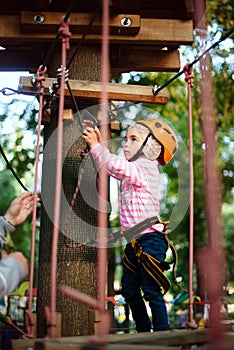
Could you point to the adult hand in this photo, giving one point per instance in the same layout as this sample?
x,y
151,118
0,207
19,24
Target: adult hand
x,y
20,208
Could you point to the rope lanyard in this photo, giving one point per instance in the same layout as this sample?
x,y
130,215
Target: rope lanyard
x,y
189,79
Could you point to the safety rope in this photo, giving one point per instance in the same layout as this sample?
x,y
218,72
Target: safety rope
x,y
40,79
188,71
57,37
102,221
65,34
87,30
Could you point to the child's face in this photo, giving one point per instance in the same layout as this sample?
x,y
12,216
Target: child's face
x,y
133,142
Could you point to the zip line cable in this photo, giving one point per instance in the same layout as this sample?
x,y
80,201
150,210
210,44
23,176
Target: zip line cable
x,y
224,37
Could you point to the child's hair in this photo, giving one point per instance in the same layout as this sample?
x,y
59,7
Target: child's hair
x,y
153,149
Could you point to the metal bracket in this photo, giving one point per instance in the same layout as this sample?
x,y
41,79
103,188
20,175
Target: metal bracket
x,y
48,22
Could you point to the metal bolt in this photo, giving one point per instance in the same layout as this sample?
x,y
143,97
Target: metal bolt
x,y
154,90
126,22
39,18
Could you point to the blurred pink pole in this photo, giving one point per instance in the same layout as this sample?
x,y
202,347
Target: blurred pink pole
x,y
58,182
189,78
103,178
212,261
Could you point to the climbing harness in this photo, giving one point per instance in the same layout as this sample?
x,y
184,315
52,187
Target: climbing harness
x,y
154,267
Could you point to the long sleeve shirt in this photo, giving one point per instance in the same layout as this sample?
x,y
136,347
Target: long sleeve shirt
x,y
11,271
139,189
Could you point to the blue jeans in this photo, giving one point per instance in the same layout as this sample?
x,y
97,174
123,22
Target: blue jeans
x,y
132,284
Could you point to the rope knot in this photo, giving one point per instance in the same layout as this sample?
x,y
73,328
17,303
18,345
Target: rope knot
x,y
64,31
41,74
188,71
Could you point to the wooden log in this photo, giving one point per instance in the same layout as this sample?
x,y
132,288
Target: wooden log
x,y
92,90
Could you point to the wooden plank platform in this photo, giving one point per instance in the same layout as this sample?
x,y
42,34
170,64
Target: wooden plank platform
x,y
92,90
167,340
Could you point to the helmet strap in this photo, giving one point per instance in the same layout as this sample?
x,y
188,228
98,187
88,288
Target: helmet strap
x,y
140,151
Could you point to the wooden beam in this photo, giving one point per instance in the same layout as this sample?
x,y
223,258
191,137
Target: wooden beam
x,y
166,32
144,59
92,90
27,59
123,59
48,22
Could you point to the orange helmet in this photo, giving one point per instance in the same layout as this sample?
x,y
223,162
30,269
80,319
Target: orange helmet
x,y
163,134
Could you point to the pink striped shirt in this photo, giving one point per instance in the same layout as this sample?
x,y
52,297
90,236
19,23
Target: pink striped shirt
x,y
139,185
